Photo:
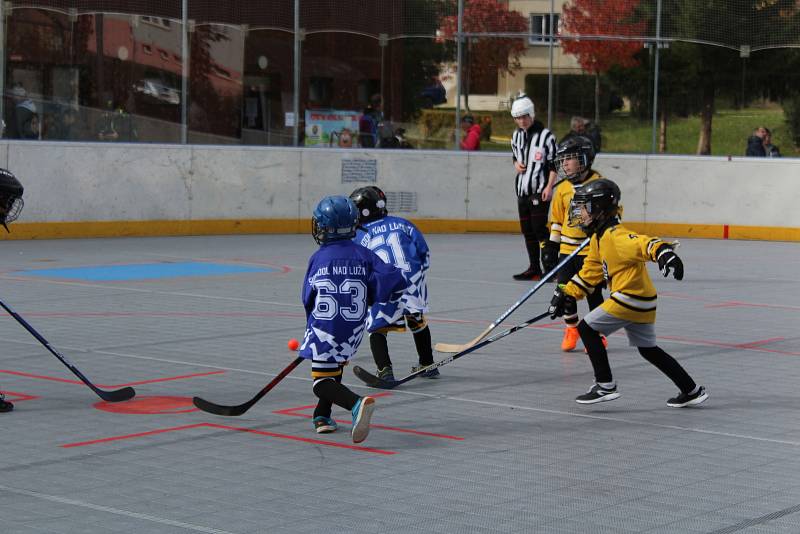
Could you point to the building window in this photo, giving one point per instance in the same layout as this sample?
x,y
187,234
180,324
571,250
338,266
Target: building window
x,y
157,21
540,28
320,92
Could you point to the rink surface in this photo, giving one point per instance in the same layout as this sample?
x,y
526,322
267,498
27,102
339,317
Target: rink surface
x,y
496,445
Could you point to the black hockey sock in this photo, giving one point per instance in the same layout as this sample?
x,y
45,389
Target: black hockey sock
x,y
332,391
380,350
597,352
324,405
422,340
669,366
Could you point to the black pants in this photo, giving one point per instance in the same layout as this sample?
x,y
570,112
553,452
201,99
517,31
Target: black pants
x,y
655,355
533,224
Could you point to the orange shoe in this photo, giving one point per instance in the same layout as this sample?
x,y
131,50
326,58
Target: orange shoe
x,y
570,339
603,339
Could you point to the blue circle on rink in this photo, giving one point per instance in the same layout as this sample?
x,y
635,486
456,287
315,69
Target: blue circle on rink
x,y
145,271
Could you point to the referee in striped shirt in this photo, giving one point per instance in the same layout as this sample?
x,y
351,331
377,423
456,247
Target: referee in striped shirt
x,y
534,148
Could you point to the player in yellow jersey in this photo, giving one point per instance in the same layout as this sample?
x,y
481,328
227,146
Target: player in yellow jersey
x,y
619,256
574,158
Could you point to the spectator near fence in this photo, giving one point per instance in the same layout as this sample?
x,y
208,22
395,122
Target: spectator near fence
x,y
755,143
770,150
369,121
23,120
471,132
581,127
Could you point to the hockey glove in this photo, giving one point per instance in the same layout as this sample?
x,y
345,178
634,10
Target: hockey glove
x,y
549,255
667,259
558,302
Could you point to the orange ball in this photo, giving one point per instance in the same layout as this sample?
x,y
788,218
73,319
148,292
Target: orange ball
x,y
293,344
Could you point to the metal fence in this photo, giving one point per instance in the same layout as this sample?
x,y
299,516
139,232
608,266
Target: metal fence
x,y
383,72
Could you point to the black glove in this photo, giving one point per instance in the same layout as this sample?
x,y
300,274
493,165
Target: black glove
x,y
557,303
549,255
667,259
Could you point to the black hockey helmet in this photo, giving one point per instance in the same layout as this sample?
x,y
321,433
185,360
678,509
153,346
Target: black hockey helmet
x,y
595,205
371,203
576,147
10,197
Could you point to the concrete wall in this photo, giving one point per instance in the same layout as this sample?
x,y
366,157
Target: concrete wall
x,y
177,185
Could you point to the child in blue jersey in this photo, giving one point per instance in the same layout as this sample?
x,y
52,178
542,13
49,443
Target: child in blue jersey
x,y
397,242
342,281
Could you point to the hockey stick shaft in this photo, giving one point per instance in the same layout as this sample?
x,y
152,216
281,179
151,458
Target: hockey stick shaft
x,y
377,382
219,409
445,347
110,396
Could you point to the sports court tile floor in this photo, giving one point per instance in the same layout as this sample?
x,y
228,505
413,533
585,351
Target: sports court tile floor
x,y
496,445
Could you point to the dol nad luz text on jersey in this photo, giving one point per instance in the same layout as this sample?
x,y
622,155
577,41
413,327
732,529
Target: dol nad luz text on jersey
x,y
342,281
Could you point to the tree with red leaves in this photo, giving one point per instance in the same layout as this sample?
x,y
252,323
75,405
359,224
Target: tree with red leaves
x,y
602,18
487,56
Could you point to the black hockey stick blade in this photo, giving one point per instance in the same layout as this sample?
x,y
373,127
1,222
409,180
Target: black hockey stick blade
x,y
233,411
118,395
375,382
372,380
219,409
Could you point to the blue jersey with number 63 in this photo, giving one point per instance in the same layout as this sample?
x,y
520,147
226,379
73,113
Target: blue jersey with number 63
x,y
342,281
398,242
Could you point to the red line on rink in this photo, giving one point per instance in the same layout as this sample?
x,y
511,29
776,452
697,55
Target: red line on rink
x,y
18,397
167,379
736,304
226,427
760,342
40,377
293,413
140,382
742,346
131,436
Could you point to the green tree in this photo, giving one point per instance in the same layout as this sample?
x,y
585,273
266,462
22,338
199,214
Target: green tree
x,y
704,63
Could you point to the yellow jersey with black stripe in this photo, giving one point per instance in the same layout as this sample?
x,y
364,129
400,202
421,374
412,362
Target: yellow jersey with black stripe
x,y
620,258
560,230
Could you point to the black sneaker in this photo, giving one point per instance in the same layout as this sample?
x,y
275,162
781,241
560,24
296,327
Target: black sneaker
x,y
386,374
432,373
687,399
598,393
529,274
5,406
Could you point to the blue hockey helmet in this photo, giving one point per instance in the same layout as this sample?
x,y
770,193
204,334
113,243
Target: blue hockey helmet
x,y
335,218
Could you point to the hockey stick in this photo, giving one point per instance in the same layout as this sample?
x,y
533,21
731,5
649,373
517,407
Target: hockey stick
x,y
109,396
218,409
451,347
375,382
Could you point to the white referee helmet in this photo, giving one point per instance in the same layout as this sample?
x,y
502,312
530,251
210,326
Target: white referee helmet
x,y
521,107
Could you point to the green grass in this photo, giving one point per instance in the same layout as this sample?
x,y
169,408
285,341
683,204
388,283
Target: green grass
x,y
625,134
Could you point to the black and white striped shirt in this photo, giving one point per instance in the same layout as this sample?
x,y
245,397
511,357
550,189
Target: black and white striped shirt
x,y
536,149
